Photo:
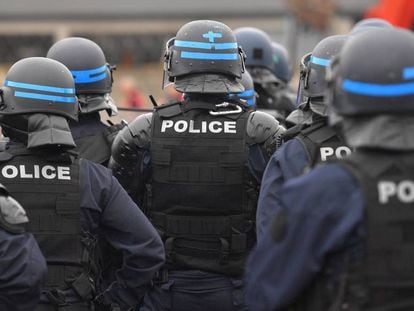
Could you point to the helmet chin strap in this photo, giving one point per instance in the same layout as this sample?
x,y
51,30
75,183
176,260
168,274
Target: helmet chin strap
x,y
49,130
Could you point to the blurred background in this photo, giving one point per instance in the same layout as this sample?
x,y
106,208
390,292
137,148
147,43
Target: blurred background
x,y
132,33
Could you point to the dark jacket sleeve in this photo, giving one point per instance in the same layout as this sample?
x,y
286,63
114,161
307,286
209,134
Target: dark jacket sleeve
x,y
106,206
287,162
22,272
315,220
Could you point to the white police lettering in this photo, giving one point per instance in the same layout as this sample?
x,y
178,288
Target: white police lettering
x,y
36,172
214,127
403,190
339,152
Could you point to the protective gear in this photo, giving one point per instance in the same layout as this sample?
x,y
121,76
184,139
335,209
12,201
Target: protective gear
x,y
200,229
370,23
39,85
249,94
92,74
12,214
260,54
93,138
383,277
55,219
312,85
204,58
282,68
357,85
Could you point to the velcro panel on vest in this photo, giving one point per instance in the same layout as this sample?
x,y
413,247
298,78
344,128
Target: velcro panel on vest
x,y
390,220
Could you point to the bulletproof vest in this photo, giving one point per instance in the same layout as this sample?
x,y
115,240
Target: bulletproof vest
x,y
383,278
201,198
320,142
97,148
48,188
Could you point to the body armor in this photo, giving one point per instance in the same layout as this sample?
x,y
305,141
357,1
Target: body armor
x,y
383,278
48,187
201,197
320,142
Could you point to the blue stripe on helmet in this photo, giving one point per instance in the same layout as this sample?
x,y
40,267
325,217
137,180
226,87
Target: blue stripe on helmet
x,y
320,61
205,45
45,97
86,76
38,87
212,56
380,90
246,93
250,101
408,73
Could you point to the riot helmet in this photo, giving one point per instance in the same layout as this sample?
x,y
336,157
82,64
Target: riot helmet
x,y
204,57
373,74
370,23
312,84
281,62
259,51
39,85
249,94
92,74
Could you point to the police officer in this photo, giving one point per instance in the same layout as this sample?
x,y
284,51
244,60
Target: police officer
x,y
93,82
342,239
71,202
197,165
309,142
22,265
268,64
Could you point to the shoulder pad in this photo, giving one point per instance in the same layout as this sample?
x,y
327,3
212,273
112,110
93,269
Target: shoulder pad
x,y
12,215
169,110
261,126
141,125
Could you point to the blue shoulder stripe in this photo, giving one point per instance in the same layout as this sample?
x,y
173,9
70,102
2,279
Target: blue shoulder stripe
x,y
408,73
38,87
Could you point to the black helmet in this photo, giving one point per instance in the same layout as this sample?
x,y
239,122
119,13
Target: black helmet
x,y
281,63
374,74
259,54
92,74
249,95
313,65
39,85
204,58
370,23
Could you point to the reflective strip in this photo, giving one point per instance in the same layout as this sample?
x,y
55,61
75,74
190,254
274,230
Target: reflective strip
x,y
247,93
45,97
385,90
214,56
38,87
408,73
86,76
204,45
320,61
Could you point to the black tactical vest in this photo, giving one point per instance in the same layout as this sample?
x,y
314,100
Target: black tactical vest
x,y
320,141
201,197
97,148
48,189
382,279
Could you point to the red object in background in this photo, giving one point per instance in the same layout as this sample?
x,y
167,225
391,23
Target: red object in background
x,y
400,13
